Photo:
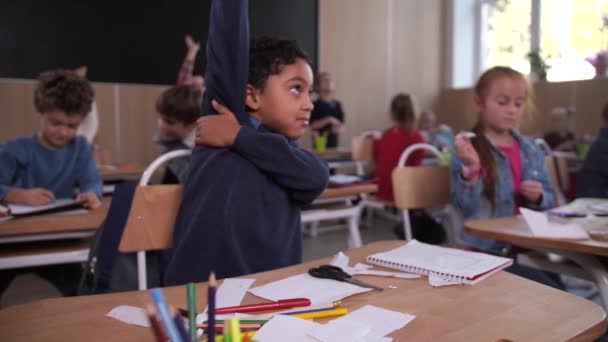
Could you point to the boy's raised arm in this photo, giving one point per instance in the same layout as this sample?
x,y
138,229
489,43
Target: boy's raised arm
x,y
228,57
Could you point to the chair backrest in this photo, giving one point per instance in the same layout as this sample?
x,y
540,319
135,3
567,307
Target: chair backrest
x,y
557,168
151,219
420,186
362,146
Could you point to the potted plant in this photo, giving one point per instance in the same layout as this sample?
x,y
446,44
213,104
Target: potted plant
x,y
538,65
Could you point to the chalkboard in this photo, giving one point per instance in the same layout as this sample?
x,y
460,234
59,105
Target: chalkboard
x,y
130,41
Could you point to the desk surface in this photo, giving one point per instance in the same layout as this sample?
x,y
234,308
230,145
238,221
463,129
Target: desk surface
x,y
502,306
351,190
335,153
55,223
132,172
515,230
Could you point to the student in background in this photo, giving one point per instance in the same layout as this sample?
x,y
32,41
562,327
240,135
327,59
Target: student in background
x,y
440,136
593,178
185,75
327,117
394,141
240,211
178,108
496,172
560,138
52,163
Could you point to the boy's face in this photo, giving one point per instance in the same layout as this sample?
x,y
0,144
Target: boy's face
x,y
171,129
284,105
57,128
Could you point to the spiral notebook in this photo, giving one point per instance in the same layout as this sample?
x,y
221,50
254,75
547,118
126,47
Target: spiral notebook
x,y
449,263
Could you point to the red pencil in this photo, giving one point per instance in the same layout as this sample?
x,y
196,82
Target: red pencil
x,y
281,304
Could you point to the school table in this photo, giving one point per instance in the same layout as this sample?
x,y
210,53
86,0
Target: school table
x,y
590,255
54,226
121,174
49,239
504,306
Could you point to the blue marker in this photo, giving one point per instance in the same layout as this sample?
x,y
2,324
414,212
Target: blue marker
x,y
165,317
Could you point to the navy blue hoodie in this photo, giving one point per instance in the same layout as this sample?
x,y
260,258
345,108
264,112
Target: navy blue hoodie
x,y
240,211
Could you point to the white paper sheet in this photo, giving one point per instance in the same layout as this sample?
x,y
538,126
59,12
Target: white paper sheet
x,y
339,331
130,315
230,293
284,328
540,226
18,209
319,291
381,321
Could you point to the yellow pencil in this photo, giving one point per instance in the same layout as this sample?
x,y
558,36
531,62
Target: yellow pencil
x,y
321,314
220,338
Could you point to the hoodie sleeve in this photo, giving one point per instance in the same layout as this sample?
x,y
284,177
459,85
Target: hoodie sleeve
x,y
227,54
303,175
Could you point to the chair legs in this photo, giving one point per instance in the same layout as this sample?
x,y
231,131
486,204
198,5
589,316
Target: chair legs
x,y
407,226
354,236
142,271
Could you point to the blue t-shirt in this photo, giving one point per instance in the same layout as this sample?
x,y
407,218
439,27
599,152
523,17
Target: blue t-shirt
x,y
26,164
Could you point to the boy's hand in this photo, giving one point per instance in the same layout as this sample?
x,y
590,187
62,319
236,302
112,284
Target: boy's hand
x,y
33,197
90,198
531,191
193,47
217,130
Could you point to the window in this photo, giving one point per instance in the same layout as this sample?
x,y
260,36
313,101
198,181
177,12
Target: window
x,y
568,34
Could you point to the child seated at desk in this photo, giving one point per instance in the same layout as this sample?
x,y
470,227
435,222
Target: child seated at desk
x,y
497,171
240,210
36,169
178,108
52,163
394,140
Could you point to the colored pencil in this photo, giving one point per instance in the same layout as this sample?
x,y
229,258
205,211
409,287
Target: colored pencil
x,y
165,316
159,333
211,307
191,295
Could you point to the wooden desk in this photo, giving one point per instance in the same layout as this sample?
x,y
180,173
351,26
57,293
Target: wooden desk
x,y
348,191
588,254
502,306
335,153
51,227
131,173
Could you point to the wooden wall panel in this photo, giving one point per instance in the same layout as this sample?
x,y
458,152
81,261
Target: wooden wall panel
x,y
138,123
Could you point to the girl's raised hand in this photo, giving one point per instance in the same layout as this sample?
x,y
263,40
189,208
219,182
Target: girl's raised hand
x,y
465,150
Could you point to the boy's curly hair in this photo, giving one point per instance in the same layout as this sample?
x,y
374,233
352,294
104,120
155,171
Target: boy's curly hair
x,y
268,55
63,90
181,102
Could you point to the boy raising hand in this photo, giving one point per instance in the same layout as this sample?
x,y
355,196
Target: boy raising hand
x,y
240,212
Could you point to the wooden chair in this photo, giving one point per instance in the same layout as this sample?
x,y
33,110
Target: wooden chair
x,y
362,149
418,187
151,219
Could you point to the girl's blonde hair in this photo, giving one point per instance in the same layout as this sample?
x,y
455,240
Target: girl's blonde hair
x,y
481,143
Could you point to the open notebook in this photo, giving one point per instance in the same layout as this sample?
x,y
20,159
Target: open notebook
x,y
63,204
449,263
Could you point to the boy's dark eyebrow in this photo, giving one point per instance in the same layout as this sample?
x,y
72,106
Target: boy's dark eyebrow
x,y
297,78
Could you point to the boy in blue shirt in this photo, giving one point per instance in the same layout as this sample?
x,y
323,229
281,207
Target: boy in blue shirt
x,y
240,212
37,169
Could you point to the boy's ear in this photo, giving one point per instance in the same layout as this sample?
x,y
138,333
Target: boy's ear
x,y
252,98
